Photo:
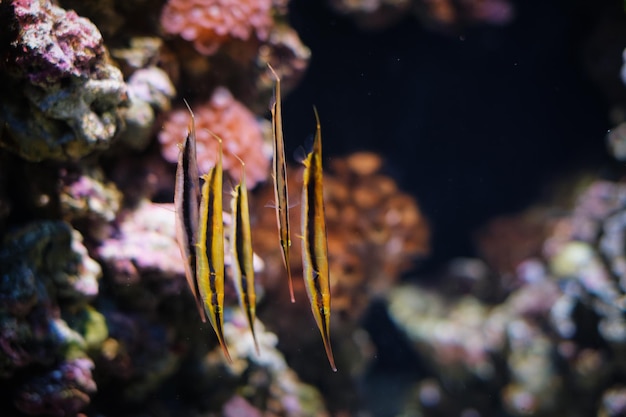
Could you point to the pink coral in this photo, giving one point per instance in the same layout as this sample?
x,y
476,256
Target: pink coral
x,y
231,121
211,23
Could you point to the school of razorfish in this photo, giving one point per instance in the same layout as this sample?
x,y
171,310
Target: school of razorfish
x,y
200,230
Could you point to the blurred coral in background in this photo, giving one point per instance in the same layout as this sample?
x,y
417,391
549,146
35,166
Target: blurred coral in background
x,y
230,120
209,24
438,14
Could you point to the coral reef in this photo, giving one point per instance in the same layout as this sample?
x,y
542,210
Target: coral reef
x,y
230,120
210,24
88,200
556,333
55,65
78,128
144,242
48,279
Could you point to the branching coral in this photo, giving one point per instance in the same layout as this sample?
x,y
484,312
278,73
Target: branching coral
x,y
230,120
209,24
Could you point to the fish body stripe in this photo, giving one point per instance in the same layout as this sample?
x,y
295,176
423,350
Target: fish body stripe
x,y
279,172
241,246
314,243
186,199
210,249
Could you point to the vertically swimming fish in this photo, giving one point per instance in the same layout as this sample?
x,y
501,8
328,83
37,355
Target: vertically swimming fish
x,y
210,250
241,247
279,173
314,241
186,201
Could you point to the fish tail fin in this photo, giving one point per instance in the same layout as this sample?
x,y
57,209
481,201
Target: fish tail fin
x,y
325,331
329,352
251,318
217,321
288,267
323,323
220,337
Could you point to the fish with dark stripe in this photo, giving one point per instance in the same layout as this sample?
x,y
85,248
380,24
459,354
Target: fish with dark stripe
x,y
314,241
279,174
241,250
186,201
210,250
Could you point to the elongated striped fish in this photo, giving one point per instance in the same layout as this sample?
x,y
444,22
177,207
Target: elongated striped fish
x,y
186,201
210,250
241,247
279,173
314,241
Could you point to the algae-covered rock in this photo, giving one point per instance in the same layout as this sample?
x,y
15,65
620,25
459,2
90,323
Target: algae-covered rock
x,y
61,96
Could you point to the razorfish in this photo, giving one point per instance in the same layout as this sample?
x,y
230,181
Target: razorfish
x,y
241,250
210,249
314,241
279,173
186,201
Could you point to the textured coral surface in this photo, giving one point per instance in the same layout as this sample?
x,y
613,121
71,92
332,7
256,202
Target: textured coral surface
x,y
231,121
209,24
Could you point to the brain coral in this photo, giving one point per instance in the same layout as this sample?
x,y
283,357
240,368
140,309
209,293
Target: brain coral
x,y
210,23
231,121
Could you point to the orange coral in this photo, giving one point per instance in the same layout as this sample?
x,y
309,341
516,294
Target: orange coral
x,y
230,120
211,23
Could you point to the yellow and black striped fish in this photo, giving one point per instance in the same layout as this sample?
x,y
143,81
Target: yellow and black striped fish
x,y
314,241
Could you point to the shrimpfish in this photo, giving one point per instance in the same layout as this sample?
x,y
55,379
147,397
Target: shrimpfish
x,y
210,250
279,173
186,201
241,250
314,241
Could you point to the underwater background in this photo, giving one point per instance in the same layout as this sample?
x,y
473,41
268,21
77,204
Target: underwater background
x,y
474,191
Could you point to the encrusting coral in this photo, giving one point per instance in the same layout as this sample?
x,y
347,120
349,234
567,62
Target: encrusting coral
x,y
209,24
230,120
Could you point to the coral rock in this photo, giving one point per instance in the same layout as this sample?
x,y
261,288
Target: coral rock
x,y
63,95
52,44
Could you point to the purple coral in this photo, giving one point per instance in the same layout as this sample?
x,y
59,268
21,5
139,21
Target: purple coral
x,y
61,392
52,43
